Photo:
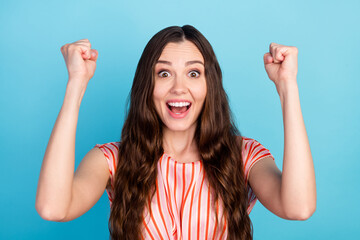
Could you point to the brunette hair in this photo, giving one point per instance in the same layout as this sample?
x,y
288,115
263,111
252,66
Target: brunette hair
x,y
219,143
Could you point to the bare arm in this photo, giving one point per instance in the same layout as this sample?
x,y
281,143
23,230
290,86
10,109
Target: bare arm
x,y
90,180
57,171
298,189
54,192
292,193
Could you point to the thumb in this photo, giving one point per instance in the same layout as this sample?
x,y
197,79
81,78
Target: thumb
x,y
93,54
268,58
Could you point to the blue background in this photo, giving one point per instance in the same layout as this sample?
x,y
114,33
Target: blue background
x,y
33,79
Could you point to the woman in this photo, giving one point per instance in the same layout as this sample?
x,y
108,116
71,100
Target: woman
x,y
181,169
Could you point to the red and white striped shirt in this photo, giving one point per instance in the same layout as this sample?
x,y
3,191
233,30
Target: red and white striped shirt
x,y
181,206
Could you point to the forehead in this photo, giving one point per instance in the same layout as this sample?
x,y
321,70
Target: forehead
x,y
185,50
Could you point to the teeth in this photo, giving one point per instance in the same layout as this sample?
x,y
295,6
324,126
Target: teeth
x,y
179,104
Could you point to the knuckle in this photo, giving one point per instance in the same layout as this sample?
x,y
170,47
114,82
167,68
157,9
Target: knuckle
x,y
84,41
63,47
71,46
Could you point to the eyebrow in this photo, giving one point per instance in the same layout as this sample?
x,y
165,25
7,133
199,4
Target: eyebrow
x,y
186,64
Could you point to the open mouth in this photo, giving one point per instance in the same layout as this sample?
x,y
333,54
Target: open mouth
x,y
178,107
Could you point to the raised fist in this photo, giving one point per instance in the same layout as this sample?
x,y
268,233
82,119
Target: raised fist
x,y
80,60
281,64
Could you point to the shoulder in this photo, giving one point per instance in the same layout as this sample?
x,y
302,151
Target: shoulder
x,y
252,151
110,150
249,145
247,140
109,145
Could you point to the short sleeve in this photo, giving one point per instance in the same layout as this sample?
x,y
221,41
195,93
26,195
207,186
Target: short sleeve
x,y
252,152
110,151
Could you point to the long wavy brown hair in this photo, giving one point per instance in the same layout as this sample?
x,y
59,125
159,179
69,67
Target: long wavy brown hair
x,y
218,139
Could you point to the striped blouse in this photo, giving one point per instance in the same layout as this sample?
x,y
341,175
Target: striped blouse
x,y
181,205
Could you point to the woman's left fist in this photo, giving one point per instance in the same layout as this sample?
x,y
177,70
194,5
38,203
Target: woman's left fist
x,y
281,64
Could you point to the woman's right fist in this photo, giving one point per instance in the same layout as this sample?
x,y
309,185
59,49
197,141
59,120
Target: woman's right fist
x,y
80,60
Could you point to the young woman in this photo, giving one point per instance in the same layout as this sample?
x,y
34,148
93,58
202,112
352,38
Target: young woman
x,y
181,169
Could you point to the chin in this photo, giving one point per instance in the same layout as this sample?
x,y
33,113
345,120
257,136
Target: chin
x,y
179,127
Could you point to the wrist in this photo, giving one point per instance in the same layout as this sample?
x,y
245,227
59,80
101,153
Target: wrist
x,y
286,89
74,92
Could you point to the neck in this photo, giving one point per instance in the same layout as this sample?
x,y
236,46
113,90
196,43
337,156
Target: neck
x,y
179,143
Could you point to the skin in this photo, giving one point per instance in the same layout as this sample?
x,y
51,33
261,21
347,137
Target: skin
x,y
63,195
180,74
290,194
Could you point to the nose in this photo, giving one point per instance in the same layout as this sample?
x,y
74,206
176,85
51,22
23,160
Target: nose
x,y
179,85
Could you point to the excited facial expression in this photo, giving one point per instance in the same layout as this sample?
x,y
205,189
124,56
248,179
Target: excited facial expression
x,y
180,86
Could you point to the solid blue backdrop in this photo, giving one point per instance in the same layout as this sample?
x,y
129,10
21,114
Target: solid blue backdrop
x,y
33,79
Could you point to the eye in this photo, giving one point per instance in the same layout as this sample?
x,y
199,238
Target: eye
x,y
194,74
164,74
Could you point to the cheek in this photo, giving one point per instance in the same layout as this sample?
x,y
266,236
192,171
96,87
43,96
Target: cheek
x,y
158,95
200,91
156,92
